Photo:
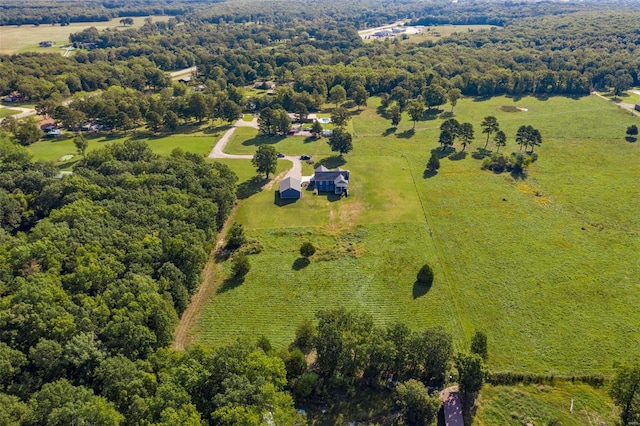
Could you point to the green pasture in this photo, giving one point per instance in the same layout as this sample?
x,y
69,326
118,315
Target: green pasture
x,y
25,38
547,266
192,139
540,405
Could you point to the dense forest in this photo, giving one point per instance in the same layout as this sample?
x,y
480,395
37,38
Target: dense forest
x,y
96,267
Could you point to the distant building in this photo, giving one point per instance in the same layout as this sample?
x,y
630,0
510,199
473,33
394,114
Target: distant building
x,y
398,30
290,188
383,33
185,80
265,85
336,181
638,106
45,44
13,97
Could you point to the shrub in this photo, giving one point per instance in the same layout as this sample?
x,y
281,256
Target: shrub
x,y
307,250
241,266
425,275
235,238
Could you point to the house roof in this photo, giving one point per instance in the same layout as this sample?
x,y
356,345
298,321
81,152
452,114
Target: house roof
x,y
340,179
290,183
321,168
331,176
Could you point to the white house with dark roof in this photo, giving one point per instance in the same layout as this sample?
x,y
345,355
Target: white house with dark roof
x,y
336,181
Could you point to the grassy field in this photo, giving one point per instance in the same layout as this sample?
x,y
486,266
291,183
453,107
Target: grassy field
x,y
547,266
25,38
519,405
191,139
7,112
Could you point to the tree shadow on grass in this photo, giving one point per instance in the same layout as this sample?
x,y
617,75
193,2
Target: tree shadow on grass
x,y
389,131
300,263
458,156
631,139
382,112
216,129
263,140
250,187
230,283
481,153
407,134
442,153
420,289
331,162
429,174
281,202
431,114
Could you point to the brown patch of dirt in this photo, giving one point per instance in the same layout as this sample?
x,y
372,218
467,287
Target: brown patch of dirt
x,y
351,211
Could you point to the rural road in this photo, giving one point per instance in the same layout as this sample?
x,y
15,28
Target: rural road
x,y
628,107
24,112
218,149
184,71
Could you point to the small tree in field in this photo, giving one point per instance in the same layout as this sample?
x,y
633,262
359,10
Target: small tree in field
x,y
433,164
265,159
479,345
307,250
241,265
425,275
316,129
81,144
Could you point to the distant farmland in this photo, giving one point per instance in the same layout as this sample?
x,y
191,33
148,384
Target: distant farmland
x,y
25,38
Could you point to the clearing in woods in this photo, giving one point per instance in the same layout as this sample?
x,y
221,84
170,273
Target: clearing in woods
x,y
533,262
23,38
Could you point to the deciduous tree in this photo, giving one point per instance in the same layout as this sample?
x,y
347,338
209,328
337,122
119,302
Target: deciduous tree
x,y
415,109
340,141
265,159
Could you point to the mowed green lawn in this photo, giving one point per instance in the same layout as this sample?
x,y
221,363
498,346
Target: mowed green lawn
x,y
523,404
547,266
196,140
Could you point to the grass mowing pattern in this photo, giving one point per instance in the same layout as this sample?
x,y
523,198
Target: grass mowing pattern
x,y
518,405
546,266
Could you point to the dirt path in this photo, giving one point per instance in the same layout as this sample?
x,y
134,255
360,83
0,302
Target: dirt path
x,y
628,107
208,287
206,290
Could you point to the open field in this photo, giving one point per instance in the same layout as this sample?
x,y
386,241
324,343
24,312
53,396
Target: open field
x,y
16,39
432,32
546,266
522,404
196,140
7,112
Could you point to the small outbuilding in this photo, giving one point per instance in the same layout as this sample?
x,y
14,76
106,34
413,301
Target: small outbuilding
x,y
638,106
290,188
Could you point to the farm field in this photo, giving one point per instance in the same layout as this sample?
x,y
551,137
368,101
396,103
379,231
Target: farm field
x,y
522,404
546,266
25,38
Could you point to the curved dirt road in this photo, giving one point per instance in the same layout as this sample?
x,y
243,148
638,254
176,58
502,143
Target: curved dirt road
x,y
218,149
